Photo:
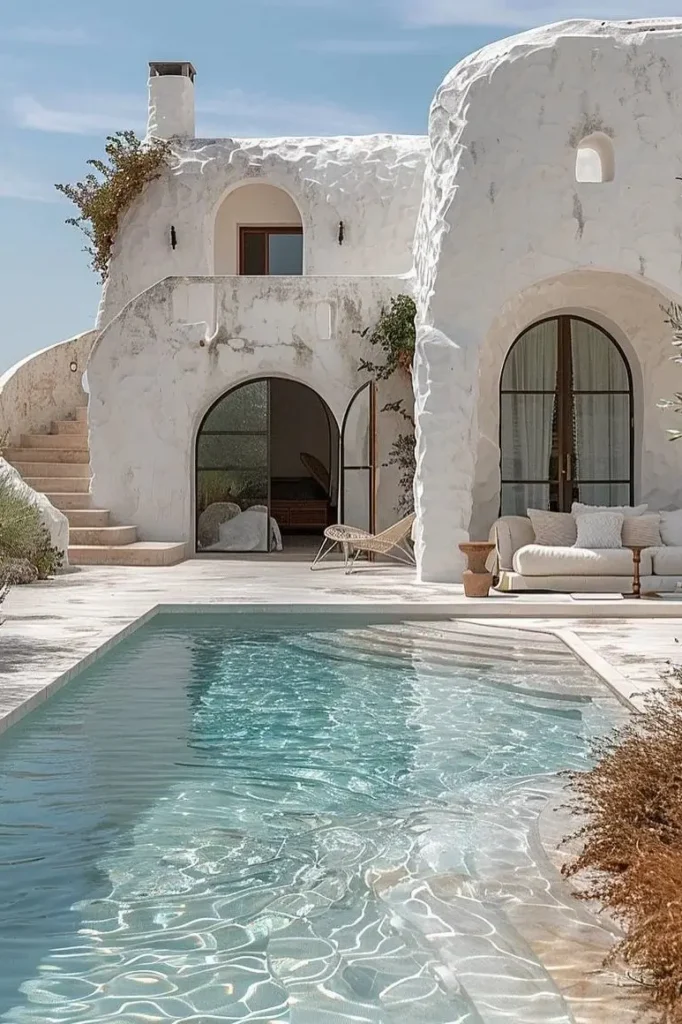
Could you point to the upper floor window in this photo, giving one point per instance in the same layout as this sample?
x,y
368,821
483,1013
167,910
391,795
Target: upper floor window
x,y
264,250
258,230
595,160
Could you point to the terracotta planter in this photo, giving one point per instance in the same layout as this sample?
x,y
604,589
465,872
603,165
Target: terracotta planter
x,y
476,579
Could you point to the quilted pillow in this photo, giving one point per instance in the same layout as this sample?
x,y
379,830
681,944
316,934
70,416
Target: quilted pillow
x,y
671,528
554,529
599,530
643,531
578,509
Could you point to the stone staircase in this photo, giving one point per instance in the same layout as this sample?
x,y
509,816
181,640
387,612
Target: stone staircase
x,y
58,464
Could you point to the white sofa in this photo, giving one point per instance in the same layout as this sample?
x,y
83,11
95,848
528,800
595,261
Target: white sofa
x,y
524,565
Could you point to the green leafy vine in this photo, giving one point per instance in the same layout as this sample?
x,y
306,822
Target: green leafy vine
x,y
129,166
395,334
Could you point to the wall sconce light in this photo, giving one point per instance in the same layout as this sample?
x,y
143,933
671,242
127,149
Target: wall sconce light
x,y
73,366
173,237
341,232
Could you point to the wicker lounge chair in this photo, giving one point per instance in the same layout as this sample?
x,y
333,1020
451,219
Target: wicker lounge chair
x,y
392,543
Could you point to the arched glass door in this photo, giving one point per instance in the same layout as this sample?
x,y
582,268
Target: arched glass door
x,y
565,419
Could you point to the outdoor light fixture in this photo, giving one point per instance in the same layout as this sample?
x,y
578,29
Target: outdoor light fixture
x,y
341,232
73,366
174,237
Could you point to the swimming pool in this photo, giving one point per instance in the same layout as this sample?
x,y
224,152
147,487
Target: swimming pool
x,y
268,820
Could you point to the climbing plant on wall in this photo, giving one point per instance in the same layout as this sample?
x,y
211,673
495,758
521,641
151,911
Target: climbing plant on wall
x,y
129,166
394,334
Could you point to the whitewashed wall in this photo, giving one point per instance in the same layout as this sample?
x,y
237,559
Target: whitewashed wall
x,y
371,183
502,211
43,387
157,367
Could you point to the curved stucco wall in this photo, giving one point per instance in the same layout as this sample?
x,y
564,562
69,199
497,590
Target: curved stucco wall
x,y
158,367
371,183
502,211
43,387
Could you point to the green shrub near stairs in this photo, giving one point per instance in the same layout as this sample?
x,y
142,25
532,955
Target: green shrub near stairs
x,y
24,537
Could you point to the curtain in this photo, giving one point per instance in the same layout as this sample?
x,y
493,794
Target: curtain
x,y
527,420
601,420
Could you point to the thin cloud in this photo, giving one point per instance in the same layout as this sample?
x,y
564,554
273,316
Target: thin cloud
x,y
43,35
101,114
526,13
234,113
14,185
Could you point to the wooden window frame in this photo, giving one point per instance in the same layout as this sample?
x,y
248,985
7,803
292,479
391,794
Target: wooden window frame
x,y
267,230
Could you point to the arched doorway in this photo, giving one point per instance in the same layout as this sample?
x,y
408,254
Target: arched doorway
x,y
566,419
273,470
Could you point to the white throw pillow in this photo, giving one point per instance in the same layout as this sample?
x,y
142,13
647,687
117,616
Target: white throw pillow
x,y
553,529
599,530
643,531
671,528
577,509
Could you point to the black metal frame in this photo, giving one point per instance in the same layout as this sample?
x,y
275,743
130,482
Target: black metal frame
x,y
371,468
564,394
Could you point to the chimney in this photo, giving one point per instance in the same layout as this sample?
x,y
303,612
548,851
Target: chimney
x,y
171,99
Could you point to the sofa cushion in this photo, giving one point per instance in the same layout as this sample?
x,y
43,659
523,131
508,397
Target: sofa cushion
x,y
557,529
578,509
599,530
671,528
537,560
667,561
643,531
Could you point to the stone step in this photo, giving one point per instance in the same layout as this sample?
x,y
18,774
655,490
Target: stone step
x,y
142,553
86,517
79,441
68,500
82,414
107,535
59,484
80,456
79,427
38,469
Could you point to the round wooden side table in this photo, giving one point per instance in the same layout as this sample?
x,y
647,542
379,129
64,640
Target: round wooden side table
x,y
476,578
636,550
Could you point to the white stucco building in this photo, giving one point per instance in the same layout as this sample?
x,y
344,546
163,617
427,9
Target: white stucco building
x,y
539,229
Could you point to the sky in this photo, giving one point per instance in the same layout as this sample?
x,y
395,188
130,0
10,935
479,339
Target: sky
x,y
75,71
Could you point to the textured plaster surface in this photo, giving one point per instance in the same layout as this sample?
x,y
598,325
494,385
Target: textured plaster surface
x,y
54,521
43,387
502,212
370,183
158,367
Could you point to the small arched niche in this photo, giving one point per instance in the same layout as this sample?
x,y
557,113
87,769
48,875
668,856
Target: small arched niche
x,y
595,160
258,230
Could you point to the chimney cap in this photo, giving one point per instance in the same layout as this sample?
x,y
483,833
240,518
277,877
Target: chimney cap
x,y
181,68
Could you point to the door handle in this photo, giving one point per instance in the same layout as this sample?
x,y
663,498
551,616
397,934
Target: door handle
x,y
568,465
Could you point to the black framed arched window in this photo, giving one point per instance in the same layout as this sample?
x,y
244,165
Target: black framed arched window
x,y
566,419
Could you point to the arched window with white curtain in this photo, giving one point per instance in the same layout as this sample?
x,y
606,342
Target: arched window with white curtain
x,y
565,418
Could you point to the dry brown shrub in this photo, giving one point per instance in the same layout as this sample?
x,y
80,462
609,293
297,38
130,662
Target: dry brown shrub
x,y
631,860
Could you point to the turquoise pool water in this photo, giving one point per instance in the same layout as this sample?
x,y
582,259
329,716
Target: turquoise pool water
x,y
236,820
